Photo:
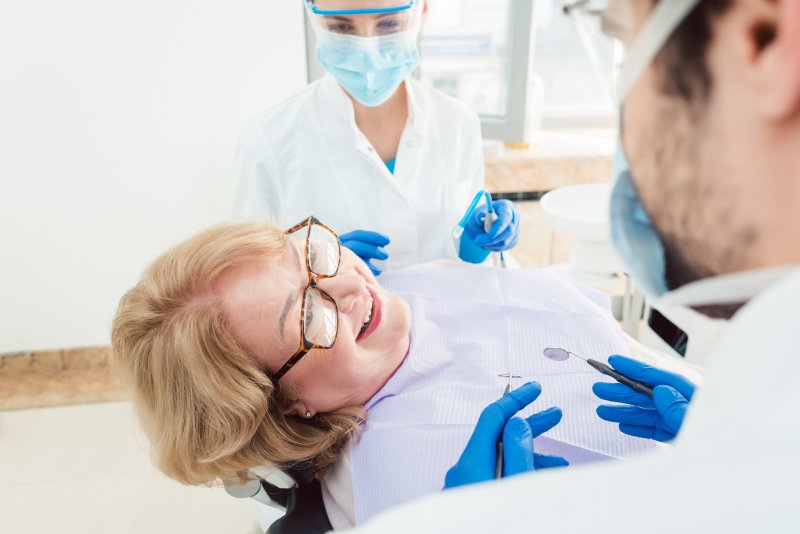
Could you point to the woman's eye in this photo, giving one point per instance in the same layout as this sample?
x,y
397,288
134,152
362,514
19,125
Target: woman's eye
x,y
340,27
389,26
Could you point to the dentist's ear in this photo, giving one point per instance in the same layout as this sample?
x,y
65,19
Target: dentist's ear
x,y
773,47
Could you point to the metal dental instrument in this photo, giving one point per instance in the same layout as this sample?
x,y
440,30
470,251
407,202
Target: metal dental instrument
x,y
498,469
560,355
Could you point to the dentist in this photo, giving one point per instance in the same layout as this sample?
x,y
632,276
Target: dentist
x,y
387,161
706,213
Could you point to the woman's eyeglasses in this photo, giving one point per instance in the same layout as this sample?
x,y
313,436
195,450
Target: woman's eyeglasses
x,y
319,316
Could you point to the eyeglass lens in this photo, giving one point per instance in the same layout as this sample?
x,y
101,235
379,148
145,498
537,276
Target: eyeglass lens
x,y
321,319
323,251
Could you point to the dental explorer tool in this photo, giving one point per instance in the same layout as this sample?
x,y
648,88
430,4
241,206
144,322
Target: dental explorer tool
x,y
498,469
560,355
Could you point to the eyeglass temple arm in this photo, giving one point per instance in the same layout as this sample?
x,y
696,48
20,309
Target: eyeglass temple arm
x,y
288,365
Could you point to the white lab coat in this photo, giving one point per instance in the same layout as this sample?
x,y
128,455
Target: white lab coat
x,y
306,156
734,468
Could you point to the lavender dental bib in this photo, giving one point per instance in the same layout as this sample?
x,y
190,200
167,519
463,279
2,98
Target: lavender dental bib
x,y
468,325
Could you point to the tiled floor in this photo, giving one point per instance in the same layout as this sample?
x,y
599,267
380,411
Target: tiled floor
x,y
85,470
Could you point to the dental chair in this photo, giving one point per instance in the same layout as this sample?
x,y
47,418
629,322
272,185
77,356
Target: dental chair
x,y
294,491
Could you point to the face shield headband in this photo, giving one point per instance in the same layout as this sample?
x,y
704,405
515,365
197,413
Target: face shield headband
x,y
368,20
665,19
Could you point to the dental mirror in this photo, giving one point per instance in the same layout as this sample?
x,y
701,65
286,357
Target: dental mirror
x,y
561,355
557,355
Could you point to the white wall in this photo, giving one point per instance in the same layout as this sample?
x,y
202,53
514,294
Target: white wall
x,y
118,127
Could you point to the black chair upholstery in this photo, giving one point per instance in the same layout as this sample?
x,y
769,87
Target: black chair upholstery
x,y
305,510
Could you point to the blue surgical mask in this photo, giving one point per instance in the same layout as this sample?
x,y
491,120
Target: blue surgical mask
x,y
369,68
632,232
638,244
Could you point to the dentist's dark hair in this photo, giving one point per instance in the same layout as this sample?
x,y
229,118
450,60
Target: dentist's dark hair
x,y
682,61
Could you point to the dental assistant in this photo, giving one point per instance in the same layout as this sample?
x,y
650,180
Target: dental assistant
x,y
389,163
711,92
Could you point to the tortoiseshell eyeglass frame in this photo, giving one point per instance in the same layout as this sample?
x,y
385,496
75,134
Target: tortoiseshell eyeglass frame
x,y
305,345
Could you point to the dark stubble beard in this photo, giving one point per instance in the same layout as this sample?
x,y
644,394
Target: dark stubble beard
x,y
696,214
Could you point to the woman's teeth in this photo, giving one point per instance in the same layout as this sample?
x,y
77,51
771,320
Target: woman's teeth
x,y
369,311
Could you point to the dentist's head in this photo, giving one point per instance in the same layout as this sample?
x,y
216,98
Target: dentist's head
x,y
200,338
711,133
370,47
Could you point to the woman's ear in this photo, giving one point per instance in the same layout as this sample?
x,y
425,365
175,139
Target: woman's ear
x,y
300,409
774,45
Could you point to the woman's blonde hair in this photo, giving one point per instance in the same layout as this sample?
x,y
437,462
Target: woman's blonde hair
x,y
209,410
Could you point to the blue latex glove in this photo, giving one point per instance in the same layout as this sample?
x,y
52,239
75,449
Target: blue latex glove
x,y
367,246
504,233
659,418
477,462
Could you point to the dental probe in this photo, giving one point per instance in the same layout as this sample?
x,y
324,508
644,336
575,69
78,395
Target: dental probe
x,y
498,469
560,355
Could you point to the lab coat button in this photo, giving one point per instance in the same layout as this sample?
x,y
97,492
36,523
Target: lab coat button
x,y
409,144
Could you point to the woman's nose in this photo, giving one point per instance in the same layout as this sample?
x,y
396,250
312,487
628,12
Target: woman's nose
x,y
346,288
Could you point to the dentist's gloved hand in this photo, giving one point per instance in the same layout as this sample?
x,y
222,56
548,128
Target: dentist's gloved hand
x,y
503,234
477,462
367,246
659,418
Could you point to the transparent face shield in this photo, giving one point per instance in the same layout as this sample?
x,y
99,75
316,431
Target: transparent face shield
x,y
616,19
376,19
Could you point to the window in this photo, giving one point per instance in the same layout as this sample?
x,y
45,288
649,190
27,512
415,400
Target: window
x,y
578,89
478,51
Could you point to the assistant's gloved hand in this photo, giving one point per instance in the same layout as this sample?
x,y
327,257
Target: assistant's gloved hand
x,y
367,246
478,461
503,234
659,418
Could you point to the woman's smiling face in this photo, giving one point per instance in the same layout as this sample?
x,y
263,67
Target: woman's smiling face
x,y
259,297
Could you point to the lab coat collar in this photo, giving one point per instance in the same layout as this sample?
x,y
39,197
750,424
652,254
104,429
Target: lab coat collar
x,y
418,116
338,104
332,93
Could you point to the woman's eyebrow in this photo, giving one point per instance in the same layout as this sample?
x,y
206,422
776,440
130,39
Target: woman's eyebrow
x,y
339,18
289,299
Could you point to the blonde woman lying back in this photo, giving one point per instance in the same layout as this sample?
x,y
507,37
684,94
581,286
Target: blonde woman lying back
x,y
248,345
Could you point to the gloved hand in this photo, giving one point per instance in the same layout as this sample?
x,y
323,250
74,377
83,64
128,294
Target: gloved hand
x,y
477,462
367,246
503,234
659,418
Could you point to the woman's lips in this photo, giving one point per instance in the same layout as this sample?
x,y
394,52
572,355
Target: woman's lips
x,y
375,319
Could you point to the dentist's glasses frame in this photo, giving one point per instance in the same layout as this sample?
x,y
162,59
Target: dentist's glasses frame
x,y
319,315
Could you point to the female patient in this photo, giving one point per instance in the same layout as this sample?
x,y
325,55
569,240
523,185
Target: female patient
x,y
247,345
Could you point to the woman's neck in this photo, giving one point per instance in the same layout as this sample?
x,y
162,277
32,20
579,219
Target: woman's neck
x,y
383,125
